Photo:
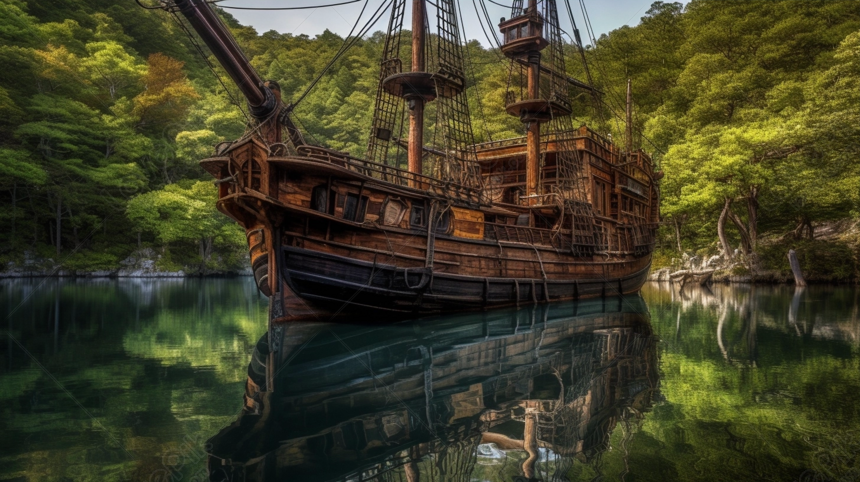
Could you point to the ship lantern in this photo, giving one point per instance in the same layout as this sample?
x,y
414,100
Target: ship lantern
x,y
523,34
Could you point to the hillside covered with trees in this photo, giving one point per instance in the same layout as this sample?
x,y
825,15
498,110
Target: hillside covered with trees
x,y
750,108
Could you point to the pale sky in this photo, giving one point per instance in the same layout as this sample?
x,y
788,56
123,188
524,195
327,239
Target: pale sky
x,y
605,15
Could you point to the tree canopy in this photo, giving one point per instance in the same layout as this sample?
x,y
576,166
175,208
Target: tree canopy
x,y
748,107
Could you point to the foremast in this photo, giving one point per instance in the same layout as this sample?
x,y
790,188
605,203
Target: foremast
x,y
415,102
436,73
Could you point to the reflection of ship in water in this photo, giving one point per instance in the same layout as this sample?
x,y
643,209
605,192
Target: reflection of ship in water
x,y
546,384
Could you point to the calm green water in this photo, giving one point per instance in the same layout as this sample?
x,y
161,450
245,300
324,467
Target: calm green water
x,y
126,380
134,375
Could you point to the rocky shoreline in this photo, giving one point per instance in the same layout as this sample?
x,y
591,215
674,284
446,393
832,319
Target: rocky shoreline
x,y
145,264
142,264
724,272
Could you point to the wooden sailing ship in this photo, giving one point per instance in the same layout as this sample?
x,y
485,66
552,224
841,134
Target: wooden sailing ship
x,y
559,214
413,401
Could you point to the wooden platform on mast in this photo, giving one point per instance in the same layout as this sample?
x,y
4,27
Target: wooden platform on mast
x,y
536,110
411,84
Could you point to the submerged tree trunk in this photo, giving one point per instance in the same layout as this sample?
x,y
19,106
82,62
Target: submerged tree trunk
x,y
795,268
721,230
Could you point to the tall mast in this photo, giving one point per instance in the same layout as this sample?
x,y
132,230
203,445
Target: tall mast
x,y
523,37
629,119
533,140
415,151
436,75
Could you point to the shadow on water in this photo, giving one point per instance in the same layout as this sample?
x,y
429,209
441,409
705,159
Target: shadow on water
x,y
503,395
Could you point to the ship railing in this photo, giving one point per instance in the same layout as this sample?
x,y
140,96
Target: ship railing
x,y
524,234
598,142
391,174
514,141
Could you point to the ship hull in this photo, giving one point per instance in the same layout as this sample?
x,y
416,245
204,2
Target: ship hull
x,y
351,245
325,286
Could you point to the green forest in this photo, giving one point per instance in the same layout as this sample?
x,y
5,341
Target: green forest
x,y
750,108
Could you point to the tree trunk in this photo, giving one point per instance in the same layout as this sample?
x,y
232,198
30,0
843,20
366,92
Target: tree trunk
x,y
795,268
745,238
677,233
59,224
74,227
798,230
721,230
14,208
209,242
530,444
752,222
804,229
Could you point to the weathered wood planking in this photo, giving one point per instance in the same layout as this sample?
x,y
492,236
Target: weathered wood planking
x,y
355,243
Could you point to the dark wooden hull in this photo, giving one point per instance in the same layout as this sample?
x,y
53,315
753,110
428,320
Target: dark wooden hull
x,y
324,285
351,241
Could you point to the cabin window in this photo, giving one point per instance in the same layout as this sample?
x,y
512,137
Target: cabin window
x,y
523,220
362,209
393,210
443,223
512,195
374,208
255,174
416,216
599,197
354,207
319,198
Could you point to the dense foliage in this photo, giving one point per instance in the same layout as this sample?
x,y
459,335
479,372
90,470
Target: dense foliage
x,y
749,107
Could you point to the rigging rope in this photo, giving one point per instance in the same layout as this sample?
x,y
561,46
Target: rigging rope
x,y
474,77
578,41
494,42
490,23
348,43
590,32
282,8
205,58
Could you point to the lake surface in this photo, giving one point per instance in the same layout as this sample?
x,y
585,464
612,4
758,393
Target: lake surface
x,y
139,379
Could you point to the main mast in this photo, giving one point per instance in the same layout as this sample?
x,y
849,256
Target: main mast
x,y
415,151
435,73
523,42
